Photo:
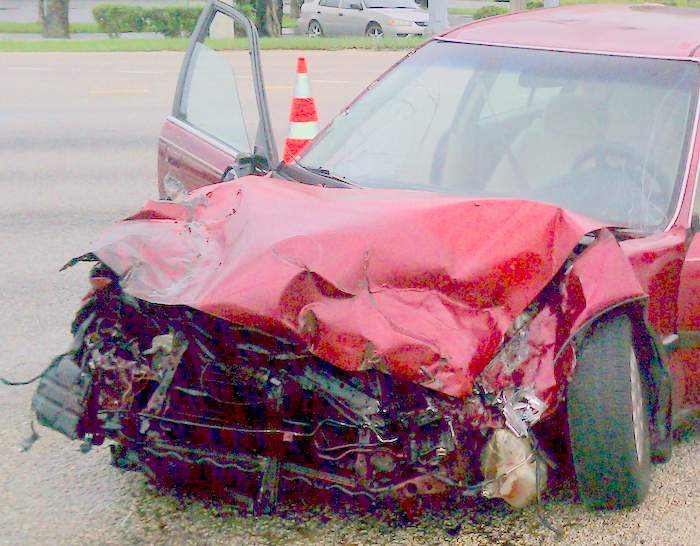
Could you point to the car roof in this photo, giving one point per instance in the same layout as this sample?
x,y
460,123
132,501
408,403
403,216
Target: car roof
x,y
641,29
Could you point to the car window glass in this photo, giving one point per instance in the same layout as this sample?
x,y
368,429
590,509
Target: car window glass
x,y
212,100
563,128
509,97
345,4
329,3
419,118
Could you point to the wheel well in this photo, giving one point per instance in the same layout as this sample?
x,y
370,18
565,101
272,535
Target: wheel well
x,y
372,23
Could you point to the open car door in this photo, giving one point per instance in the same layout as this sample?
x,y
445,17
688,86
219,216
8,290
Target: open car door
x,y
220,123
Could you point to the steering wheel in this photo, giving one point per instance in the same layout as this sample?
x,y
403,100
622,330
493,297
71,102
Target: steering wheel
x,y
634,168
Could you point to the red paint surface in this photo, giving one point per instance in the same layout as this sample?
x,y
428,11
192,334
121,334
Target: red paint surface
x,y
627,29
685,361
599,278
421,285
657,261
189,158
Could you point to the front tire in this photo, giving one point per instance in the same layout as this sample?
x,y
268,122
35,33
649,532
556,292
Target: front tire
x,y
608,420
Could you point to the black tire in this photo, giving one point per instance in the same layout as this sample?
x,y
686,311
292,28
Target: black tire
x,y
605,400
315,30
374,30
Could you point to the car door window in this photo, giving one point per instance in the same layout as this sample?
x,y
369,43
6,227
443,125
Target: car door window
x,y
211,102
329,3
217,97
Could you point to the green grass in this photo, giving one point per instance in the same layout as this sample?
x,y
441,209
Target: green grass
x,y
461,11
179,44
289,22
10,27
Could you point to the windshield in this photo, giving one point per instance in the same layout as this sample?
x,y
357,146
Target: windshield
x,y
601,135
390,4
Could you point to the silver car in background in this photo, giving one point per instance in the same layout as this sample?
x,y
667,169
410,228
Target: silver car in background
x,y
374,18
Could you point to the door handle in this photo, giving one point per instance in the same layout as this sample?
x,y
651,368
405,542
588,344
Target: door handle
x,y
340,15
318,13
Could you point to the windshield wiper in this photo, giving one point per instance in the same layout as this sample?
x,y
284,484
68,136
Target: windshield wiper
x,y
318,172
622,232
327,173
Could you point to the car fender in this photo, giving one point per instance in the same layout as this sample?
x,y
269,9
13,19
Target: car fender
x,y
596,282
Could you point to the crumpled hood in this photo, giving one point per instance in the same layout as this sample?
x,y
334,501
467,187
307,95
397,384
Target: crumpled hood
x,y
416,284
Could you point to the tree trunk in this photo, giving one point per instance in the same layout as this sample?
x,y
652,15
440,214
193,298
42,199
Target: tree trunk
x,y
294,8
54,16
274,17
268,17
261,17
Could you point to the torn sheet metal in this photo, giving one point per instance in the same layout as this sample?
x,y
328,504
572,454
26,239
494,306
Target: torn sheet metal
x,y
419,285
539,357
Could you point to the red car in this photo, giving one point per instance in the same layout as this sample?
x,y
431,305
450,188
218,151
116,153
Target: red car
x,y
487,261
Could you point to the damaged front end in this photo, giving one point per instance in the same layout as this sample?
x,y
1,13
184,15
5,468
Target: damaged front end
x,y
192,399
250,342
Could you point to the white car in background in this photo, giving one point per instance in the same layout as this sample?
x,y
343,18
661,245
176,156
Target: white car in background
x,y
374,18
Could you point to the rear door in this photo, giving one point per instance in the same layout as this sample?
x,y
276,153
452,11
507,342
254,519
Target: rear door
x,y
329,17
352,21
220,124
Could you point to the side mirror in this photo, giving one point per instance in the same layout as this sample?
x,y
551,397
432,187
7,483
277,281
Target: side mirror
x,y
356,6
245,165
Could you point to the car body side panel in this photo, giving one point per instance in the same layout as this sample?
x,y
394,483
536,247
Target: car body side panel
x,y
352,21
194,161
657,261
685,358
420,285
329,19
604,277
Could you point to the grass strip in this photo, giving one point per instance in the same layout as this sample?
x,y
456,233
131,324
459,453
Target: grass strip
x,y
179,44
11,27
461,11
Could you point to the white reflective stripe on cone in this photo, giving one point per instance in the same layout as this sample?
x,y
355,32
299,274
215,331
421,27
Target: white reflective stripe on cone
x,y
303,129
302,89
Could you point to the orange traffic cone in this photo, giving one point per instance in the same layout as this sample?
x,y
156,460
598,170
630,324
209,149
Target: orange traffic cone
x,y
303,119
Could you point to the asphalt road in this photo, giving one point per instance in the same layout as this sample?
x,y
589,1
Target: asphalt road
x,y
78,138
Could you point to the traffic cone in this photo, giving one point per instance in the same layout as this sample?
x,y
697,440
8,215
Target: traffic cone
x,y
303,119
